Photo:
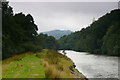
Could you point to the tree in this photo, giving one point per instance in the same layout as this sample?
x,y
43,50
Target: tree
x,y
101,37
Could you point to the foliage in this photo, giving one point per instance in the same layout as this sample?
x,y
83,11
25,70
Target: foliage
x,y
19,34
101,37
48,42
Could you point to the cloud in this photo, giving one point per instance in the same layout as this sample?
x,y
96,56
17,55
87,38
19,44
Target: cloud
x,y
63,15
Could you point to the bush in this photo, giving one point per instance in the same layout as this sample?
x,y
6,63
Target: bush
x,y
30,46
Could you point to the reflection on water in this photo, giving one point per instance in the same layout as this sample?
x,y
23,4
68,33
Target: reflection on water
x,y
94,66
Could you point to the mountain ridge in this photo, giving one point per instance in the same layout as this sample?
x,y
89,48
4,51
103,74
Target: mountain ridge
x,y
57,33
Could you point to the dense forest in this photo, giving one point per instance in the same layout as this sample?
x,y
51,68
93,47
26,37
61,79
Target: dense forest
x,y
101,37
19,34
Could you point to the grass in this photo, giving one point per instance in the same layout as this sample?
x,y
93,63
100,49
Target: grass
x,y
57,66
29,66
44,64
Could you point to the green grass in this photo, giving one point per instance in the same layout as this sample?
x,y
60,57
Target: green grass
x,y
29,66
44,64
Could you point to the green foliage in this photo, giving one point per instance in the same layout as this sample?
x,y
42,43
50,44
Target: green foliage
x,y
111,41
47,42
19,34
101,37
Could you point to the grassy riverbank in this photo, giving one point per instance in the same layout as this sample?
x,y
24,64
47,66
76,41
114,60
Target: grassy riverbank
x,y
43,64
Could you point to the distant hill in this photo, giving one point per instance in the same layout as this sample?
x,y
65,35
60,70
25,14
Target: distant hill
x,y
57,33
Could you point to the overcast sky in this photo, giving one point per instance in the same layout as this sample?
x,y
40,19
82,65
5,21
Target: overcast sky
x,y
63,15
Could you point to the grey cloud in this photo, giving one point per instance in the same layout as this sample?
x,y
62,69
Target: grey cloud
x,y
63,15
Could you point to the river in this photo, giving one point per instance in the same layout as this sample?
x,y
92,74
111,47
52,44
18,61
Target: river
x,y
94,66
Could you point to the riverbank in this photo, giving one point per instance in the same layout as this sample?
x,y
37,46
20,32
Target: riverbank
x,y
43,64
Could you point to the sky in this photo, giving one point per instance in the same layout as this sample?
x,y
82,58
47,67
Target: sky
x,y
63,15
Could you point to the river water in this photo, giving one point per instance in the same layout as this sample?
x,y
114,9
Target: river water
x,y
94,66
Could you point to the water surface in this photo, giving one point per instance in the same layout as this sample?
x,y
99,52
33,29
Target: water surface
x,y
94,66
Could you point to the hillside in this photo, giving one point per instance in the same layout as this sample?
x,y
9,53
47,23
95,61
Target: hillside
x,y
57,33
44,64
101,37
